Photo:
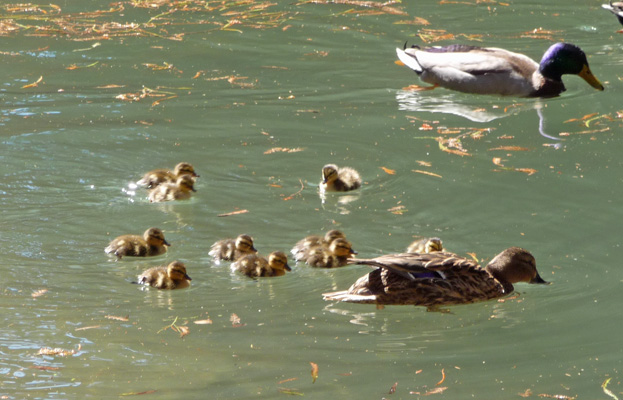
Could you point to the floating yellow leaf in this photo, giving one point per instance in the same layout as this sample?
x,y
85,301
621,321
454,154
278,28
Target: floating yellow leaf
x,y
206,321
233,213
607,391
235,321
443,377
116,318
510,148
398,210
392,389
426,173
314,371
38,293
389,171
34,84
283,150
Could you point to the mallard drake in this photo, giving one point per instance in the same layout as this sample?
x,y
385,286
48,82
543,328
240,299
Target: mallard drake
x,y
489,70
254,266
167,191
302,248
336,179
232,249
154,178
426,245
615,8
439,278
333,256
152,243
172,276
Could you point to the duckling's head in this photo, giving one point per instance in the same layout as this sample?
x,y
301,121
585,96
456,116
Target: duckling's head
x,y
341,248
279,261
333,234
514,265
567,58
177,271
185,168
329,173
155,237
433,245
244,243
186,183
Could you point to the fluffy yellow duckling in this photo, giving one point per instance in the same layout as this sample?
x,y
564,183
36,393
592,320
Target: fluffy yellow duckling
x,y
426,245
255,266
333,256
490,70
336,179
180,190
154,178
438,278
232,249
303,247
152,243
173,276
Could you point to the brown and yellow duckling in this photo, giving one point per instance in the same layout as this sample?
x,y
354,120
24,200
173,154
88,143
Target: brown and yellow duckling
x,y
173,276
333,256
426,245
438,279
180,190
152,243
255,266
154,178
336,179
304,246
232,249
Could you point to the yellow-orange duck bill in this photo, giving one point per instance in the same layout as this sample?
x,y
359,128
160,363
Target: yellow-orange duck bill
x,y
591,79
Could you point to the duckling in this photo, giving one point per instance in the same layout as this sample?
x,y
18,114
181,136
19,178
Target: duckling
x,y
154,178
232,249
152,243
336,179
180,190
438,278
302,248
615,8
426,245
254,266
173,276
489,70
333,256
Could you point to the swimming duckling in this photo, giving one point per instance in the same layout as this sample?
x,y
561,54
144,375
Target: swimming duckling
x,y
180,190
154,178
302,248
232,249
152,243
615,8
489,70
173,276
438,278
254,266
333,256
426,245
336,179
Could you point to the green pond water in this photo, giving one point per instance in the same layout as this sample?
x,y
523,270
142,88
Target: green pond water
x,y
226,87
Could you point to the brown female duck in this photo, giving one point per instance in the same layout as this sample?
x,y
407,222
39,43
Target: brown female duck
x,y
167,191
232,249
152,243
438,279
333,256
336,179
173,276
255,266
303,247
154,178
